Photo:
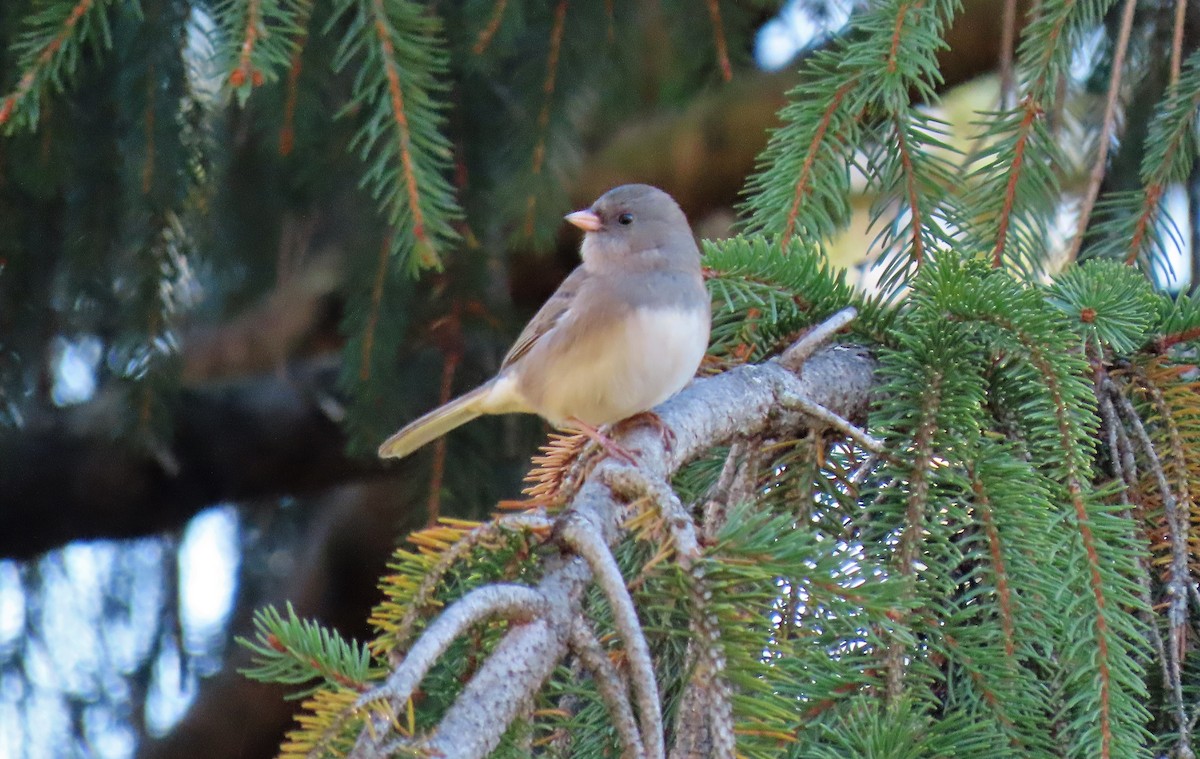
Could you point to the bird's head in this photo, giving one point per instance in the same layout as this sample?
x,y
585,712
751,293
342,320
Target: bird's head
x,y
633,223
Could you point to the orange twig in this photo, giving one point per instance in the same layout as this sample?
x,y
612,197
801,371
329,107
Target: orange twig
x,y
287,133
897,34
1106,129
404,136
44,58
364,369
1002,590
1032,111
245,70
489,31
1166,341
803,182
437,474
714,12
1145,220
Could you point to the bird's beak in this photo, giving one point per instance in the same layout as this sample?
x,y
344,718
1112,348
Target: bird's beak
x,y
585,220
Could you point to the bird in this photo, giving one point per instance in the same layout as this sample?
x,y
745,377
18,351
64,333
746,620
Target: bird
x,y
625,331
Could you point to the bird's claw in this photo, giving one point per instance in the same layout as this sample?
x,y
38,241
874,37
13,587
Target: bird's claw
x,y
604,441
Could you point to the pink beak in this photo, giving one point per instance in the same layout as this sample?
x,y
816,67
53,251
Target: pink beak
x,y
585,220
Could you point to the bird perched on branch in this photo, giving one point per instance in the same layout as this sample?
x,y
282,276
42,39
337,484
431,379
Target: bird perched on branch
x,y
625,331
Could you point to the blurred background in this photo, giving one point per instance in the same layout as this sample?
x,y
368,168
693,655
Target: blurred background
x,y
207,324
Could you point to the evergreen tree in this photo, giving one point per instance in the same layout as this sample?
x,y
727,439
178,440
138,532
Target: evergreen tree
x,y
948,515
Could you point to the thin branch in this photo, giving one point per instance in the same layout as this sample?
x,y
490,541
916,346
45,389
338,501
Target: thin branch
x,y
610,685
716,507
632,482
1107,125
46,58
418,604
489,31
1108,415
585,540
391,66
803,187
864,469
1176,590
793,358
368,339
819,413
516,603
1177,42
714,13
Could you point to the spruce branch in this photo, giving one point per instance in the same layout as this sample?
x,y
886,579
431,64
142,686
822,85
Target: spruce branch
x,y
1178,599
1135,223
419,601
48,52
742,401
297,651
1003,592
613,688
489,31
400,56
1107,126
514,603
631,483
258,39
586,541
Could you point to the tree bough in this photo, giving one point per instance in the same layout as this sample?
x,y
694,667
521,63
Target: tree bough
x,y
772,399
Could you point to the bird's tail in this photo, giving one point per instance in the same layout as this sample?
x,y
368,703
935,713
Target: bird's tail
x,y
436,423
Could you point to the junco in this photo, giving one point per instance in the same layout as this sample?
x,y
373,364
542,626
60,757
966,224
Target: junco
x,y
625,331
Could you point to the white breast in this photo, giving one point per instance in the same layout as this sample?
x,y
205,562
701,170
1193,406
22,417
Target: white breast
x,y
652,356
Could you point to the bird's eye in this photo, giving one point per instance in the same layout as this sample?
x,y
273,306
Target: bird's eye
x,y
625,219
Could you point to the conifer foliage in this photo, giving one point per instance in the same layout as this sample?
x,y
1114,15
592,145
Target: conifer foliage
x,y
996,558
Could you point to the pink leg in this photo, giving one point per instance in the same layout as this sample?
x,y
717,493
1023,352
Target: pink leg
x,y
603,441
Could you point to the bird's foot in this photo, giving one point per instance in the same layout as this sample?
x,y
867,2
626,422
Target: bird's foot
x,y
604,441
654,420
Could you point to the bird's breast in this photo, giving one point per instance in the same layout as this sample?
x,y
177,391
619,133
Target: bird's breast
x,y
616,370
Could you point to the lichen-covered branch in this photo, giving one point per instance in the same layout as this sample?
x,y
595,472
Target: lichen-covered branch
x,y
746,402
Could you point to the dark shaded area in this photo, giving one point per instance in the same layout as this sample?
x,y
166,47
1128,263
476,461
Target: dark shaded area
x,y
69,479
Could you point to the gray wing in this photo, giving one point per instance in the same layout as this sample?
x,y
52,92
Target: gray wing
x,y
548,316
